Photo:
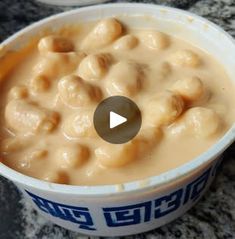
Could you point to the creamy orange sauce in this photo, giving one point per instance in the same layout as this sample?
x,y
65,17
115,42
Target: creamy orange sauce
x,y
49,97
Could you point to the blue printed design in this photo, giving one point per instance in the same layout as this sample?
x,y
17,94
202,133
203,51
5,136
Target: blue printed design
x,y
78,215
128,215
195,188
163,206
168,204
133,214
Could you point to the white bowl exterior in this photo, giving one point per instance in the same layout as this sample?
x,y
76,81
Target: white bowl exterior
x,y
103,210
123,215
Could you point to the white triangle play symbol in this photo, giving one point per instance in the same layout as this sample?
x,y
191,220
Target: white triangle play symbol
x,y
115,119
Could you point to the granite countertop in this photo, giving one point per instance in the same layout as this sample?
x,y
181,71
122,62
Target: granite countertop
x,y
213,217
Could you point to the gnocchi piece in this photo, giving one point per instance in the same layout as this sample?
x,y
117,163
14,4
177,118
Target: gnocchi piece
x,y
94,66
18,92
151,133
164,108
125,78
54,65
32,161
59,177
105,32
147,140
39,84
178,128
38,154
203,122
55,44
72,156
185,58
116,155
120,155
155,40
75,92
126,43
79,125
25,117
190,89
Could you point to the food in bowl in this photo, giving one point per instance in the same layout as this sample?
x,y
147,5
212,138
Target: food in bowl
x,y
48,101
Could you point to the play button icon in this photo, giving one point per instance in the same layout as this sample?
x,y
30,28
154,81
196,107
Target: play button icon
x,y
117,119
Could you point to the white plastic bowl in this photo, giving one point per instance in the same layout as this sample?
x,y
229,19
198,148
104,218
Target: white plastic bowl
x,y
113,210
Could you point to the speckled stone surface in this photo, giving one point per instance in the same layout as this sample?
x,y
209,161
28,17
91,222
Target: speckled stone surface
x,y
213,217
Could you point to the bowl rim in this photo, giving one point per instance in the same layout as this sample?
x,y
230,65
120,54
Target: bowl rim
x,y
154,181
